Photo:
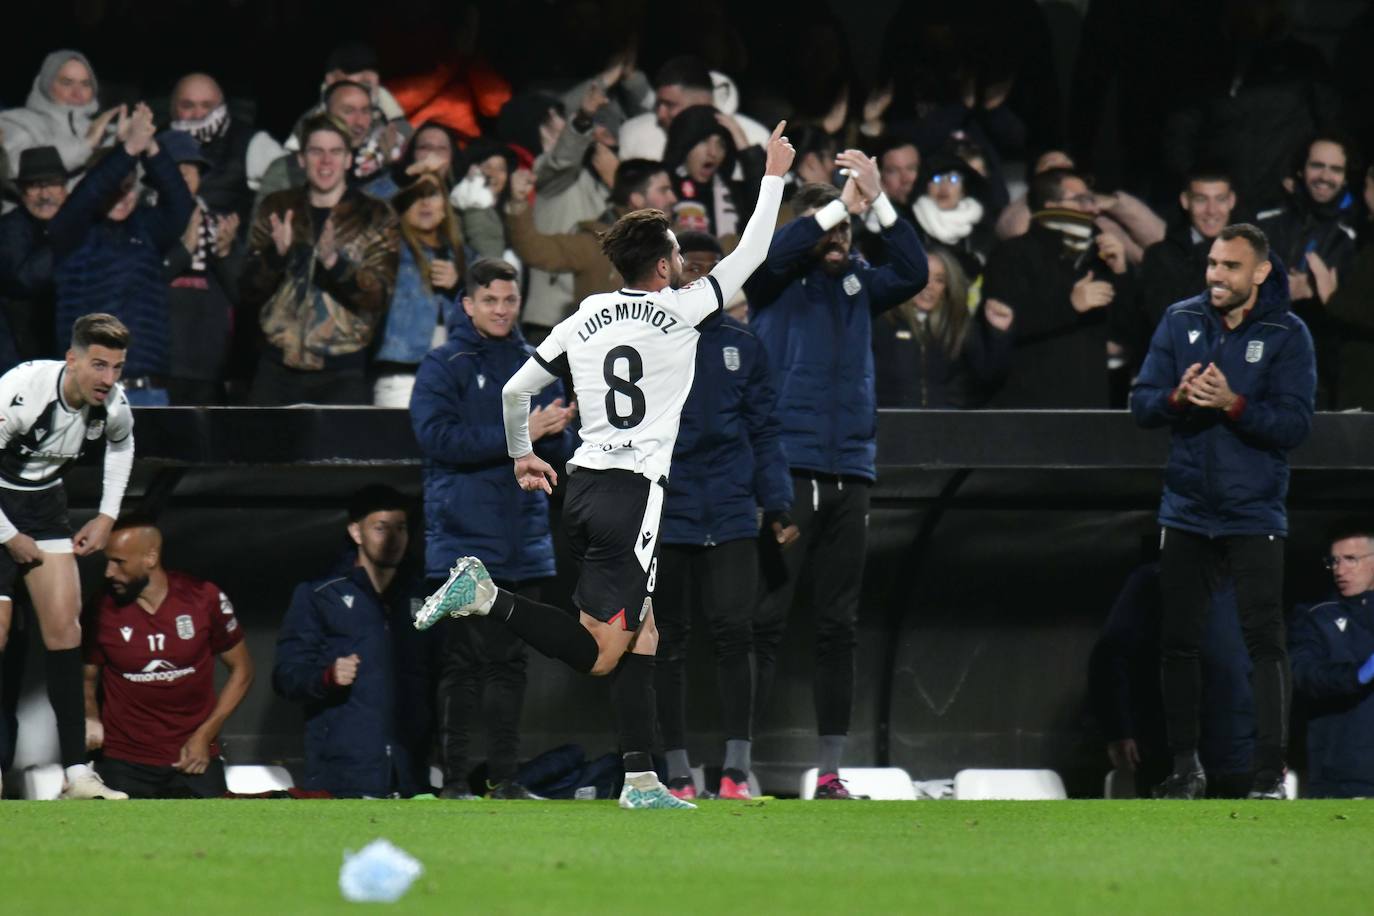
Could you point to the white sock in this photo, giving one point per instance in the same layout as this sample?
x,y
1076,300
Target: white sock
x,y
77,770
646,780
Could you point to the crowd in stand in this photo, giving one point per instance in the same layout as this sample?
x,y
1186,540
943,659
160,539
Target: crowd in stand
x,y
320,267
394,231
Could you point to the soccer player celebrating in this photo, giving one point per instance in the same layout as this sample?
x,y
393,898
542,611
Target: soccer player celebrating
x,y
151,645
50,412
632,357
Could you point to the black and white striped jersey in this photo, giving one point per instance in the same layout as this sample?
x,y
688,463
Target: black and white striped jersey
x,y
40,435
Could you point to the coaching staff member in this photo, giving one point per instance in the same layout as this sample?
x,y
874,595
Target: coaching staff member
x,y
811,304
1233,373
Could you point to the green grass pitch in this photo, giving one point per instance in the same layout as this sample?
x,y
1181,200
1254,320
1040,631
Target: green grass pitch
x,y
834,858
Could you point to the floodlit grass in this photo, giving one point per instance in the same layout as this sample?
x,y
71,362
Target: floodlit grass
x,y
836,858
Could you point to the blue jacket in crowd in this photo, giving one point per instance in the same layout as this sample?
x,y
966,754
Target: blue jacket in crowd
x,y
1230,476
728,461
817,329
473,506
416,310
1327,644
116,267
371,737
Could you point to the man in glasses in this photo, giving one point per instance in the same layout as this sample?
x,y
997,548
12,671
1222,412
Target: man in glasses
x,y
1332,649
1231,371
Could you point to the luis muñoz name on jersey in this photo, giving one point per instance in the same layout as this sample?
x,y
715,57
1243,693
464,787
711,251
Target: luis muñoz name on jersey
x,y
646,312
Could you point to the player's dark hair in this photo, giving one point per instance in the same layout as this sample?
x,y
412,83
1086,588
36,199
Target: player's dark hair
x,y
339,85
322,121
1048,187
690,241
813,196
1355,526
1251,233
486,271
137,519
632,177
636,243
376,497
686,71
891,142
99,329
1349,148
1209,172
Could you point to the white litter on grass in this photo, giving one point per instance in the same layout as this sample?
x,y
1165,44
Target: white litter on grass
x,y
378,873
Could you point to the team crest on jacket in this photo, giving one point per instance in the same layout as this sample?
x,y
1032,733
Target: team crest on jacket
x,y
852,285
1254,350
186,627
731,355
95,430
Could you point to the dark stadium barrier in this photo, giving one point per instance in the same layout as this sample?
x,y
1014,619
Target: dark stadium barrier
x,y
997,542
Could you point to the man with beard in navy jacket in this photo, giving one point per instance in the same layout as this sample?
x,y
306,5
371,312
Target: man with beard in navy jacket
x,y
1332,646
1232,372
473,507
812,305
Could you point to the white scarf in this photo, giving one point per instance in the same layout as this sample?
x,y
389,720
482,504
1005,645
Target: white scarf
x,y
211,127
947,226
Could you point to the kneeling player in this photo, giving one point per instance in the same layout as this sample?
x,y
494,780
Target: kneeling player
x,y
151,645
632,356
50,412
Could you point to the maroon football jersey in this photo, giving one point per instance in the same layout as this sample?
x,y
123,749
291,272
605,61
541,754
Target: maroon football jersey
x,y
159,669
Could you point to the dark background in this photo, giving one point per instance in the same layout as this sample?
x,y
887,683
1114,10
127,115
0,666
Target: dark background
x,y
1099,78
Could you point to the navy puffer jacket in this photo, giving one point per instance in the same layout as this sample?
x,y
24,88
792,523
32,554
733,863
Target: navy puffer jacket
x,y
473,506
1327,644
818,332
371,737
728,461
1229,476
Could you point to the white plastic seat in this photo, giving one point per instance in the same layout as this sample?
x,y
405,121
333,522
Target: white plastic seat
x,y
1023,785
878,783
250,779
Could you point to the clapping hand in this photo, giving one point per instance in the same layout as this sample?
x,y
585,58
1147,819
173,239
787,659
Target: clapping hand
x,y
226,230
551,420
1210,389
863,171
282,233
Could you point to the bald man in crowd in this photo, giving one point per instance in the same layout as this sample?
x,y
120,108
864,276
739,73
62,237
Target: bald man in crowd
x,y
151,641
198,107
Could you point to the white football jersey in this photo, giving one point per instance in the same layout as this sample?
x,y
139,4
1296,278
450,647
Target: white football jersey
x,y
632,356
40,435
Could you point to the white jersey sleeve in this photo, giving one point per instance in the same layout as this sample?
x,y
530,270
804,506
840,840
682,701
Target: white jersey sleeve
x,y
736,267
700,300
18,406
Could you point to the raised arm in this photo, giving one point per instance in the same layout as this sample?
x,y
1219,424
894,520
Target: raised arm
x,y
737,267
